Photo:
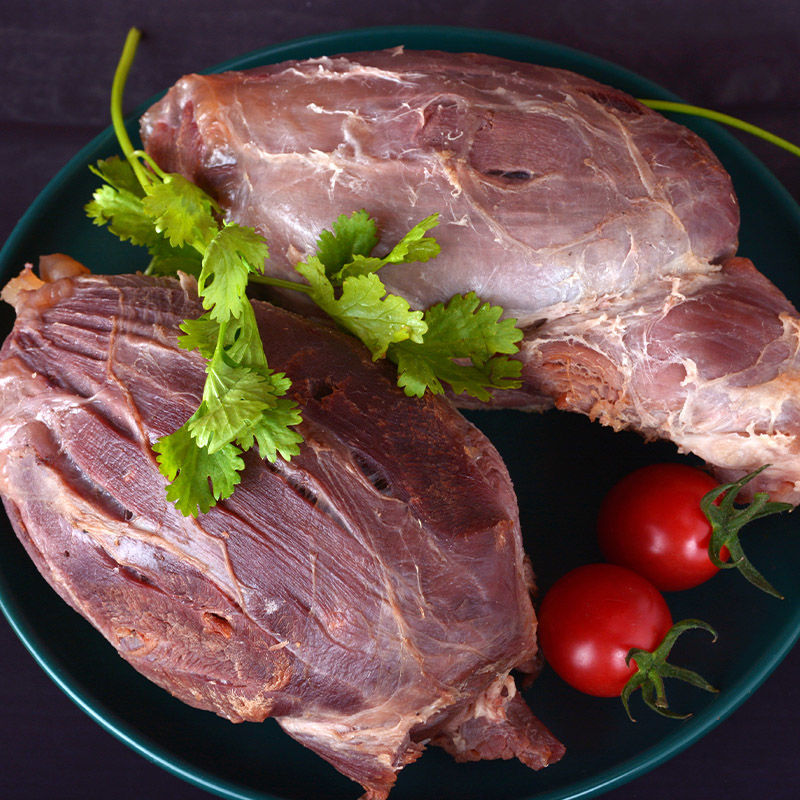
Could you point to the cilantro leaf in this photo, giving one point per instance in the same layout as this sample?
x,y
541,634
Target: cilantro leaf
x,y
168,260
233,395
460,348
274,431
119,204
198,479
231,256
322,290
415,246
419,369
200,334
181,211
360,265
473,328
377,318
124,214
119,174
243,343
352,236
364,308
241,340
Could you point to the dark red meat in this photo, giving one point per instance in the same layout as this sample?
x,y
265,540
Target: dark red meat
x,y
372,594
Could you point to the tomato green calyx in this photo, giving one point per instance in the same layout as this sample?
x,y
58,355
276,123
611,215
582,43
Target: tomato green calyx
x,y
652,668
727,520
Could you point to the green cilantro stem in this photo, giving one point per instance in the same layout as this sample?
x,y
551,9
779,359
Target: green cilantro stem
x,y
220,347
117,89
145,156
279,283
726,119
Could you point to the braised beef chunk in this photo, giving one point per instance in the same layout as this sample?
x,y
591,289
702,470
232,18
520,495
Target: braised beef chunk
x,y
604,228
552,192
372,594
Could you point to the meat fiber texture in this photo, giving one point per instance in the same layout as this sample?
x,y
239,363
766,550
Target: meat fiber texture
x,y
372,594
606,230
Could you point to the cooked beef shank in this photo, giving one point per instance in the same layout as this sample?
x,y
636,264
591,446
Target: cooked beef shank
x,y
372,594
605,229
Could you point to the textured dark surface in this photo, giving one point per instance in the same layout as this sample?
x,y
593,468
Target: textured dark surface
x,y
296,598
737,57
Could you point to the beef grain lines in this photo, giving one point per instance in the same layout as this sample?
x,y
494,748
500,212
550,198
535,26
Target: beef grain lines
x,y
371,595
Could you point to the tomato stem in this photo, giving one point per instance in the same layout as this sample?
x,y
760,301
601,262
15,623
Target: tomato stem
x,y
726,521
652,668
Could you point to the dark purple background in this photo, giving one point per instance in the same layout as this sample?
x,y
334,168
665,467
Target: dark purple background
x,y
57,60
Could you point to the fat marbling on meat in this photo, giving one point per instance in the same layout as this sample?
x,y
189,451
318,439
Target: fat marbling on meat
x,y
372,594
607,230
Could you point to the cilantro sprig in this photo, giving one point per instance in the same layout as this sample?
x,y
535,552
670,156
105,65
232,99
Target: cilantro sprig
x,y
464,343
244,402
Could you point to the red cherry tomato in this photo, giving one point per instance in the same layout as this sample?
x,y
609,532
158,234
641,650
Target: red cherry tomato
x,y
651,522
592,617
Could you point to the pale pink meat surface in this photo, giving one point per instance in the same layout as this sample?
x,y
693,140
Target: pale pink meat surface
x,y
372,594
558,188
587,216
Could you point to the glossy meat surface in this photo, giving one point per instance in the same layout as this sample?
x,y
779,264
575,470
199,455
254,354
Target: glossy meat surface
x,y
371,594
561,190
712,361
567,202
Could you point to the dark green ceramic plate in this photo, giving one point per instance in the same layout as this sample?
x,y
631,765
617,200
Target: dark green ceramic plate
x,y
561,466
